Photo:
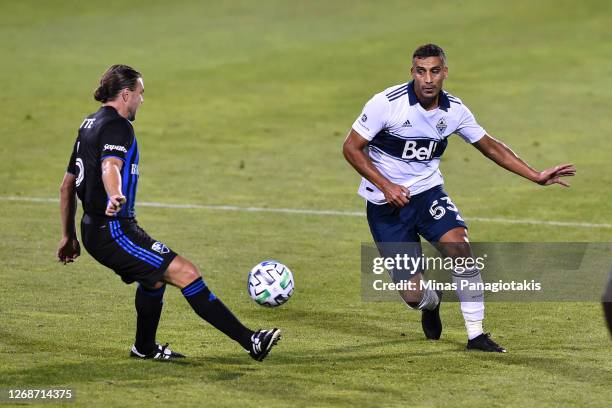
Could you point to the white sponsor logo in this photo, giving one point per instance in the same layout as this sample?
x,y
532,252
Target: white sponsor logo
x,y
160,248
115,147
422,153
134,169
81,175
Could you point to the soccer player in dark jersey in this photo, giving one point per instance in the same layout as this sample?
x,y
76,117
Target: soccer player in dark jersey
x,y
103,173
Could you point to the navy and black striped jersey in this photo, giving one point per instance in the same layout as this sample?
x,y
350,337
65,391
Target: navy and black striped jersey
x,y
101,135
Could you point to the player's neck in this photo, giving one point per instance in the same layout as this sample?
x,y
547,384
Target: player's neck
x,y
120,108
428,103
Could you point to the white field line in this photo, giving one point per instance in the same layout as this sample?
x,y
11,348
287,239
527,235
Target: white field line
x,y
317,212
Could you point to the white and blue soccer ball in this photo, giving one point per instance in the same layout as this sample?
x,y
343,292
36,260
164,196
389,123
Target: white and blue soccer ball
x,y
270,283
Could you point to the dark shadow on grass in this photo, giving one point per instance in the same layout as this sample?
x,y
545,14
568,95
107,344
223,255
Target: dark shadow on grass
x,y
114,372
214,368
349,323
558,366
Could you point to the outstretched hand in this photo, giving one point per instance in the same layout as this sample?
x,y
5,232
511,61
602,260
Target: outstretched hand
x,y
554,174
68,250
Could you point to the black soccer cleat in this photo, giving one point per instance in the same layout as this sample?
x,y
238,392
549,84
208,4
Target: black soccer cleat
x,y
484,343
163,352
431,322
262,342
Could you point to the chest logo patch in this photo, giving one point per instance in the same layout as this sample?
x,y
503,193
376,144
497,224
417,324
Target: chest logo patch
x,y
441,126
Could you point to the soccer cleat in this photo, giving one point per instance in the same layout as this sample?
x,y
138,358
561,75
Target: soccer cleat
x,y
162,353
484,343
431,322
262,342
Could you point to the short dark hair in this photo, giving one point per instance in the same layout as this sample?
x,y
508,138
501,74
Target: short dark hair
x,y
429,50
114,80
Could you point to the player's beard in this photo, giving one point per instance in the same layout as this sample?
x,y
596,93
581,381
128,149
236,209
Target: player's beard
x,y
131,116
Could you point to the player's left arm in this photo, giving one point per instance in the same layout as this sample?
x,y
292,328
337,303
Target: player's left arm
x,y
506,158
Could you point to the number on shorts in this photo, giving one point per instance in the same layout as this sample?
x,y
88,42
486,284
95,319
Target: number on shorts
x,y
437,211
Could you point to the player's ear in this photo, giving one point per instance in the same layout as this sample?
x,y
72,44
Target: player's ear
x,y
125,94
445,72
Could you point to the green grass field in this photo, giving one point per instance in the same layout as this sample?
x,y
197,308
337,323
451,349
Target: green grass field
x,y
247,104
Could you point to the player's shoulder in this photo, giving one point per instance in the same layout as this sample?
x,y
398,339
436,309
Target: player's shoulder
x,y
451,98
395,92
452,103
110,119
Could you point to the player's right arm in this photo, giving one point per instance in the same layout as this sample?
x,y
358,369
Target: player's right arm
x,y
372,120
354,152
69,248
111,178
116,139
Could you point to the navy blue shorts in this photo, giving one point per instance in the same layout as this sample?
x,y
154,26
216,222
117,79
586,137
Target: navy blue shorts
x,y
429,214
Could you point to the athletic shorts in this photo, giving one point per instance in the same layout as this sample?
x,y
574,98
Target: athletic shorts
x,y
429,214
121,245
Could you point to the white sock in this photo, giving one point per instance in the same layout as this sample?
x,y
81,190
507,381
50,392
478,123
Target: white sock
x,y
429,301
472,301
474,329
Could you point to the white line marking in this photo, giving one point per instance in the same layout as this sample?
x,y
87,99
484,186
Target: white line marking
x,y
316,212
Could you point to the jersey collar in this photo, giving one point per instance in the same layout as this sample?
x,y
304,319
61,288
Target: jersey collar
x,y
443,102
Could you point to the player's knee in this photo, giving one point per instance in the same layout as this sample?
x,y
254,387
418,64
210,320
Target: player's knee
x,y
455,243
158,285
181,272
189,272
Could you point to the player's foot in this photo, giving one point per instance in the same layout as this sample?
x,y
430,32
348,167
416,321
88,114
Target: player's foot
x,y
262,342
484,343
431,322
163,352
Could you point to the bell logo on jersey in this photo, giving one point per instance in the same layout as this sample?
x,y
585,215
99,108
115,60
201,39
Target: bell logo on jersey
x,y
417,150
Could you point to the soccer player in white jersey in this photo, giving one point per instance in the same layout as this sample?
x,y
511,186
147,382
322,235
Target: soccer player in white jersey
x,y
396,144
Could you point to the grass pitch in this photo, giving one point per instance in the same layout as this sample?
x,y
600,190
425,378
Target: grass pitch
x,y
247,104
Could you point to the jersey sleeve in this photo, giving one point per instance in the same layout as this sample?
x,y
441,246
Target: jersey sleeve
x,y
373,118
116,138
72,162
468,128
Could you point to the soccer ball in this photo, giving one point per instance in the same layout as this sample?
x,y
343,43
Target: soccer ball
x,y
270,283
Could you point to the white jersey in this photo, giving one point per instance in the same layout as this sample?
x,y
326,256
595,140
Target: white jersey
x,y
406,141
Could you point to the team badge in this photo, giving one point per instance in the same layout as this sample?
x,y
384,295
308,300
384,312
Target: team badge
x,y
441,126
160,248
364,117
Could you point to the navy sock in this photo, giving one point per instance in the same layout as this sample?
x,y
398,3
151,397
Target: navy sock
x,y
211,309
148,304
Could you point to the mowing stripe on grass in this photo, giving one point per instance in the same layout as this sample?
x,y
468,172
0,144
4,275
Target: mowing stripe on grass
x,y
318,212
